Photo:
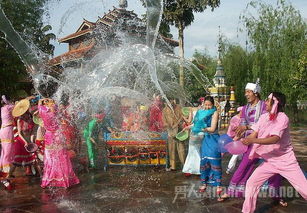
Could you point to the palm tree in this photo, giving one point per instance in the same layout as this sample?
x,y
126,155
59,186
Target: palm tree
x,y
45,39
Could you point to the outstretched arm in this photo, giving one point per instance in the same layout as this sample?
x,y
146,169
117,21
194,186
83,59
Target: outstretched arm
x,y
263,141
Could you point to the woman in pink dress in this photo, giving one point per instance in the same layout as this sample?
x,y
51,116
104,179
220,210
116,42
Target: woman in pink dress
x,y
6,135
25,127
58,170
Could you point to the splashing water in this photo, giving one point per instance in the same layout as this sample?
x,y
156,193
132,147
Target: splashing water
x,y
133,69
136,69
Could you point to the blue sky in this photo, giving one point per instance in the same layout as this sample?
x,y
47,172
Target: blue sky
x,y
67,15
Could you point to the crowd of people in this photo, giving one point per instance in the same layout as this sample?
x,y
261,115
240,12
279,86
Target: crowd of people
x,y
47,147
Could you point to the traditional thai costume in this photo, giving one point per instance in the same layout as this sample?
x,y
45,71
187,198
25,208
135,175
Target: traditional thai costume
x,y
22,156
192,162
7,138
92,131
155,117
58,170
211,161
249,116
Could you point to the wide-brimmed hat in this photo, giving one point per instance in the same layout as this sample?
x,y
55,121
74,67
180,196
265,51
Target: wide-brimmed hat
x,y
21,107
143,108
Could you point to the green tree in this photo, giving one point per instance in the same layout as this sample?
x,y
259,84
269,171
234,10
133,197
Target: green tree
x,y
207,65
180,14
277,35
237,64
27,19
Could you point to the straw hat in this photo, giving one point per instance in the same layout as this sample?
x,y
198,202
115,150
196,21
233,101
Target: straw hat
x,y
143,108
21,107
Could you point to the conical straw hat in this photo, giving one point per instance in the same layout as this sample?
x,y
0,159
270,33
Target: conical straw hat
x,y
21,107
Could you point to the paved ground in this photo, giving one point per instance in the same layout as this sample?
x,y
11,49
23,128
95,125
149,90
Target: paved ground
x,y
138,190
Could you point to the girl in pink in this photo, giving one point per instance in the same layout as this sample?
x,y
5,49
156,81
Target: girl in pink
x,y
271,139
6,135
58,170
25,127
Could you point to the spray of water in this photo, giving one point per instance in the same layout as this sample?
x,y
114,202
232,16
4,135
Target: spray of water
x,y
135,69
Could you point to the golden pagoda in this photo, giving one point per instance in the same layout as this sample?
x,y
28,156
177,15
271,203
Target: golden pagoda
x,y
219,92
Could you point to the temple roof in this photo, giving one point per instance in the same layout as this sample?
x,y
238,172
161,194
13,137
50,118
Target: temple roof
x,y
108,21
75,35
71,55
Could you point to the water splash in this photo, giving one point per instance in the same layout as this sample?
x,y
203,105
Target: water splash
x,y
27,55
132,69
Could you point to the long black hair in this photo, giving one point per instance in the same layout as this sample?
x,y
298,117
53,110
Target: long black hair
x,y
281,101
209,98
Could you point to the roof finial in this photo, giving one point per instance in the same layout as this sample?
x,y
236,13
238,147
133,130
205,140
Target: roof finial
x,y
220,44
123,4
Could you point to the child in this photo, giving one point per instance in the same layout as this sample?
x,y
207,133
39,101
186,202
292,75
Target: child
x,y
271,139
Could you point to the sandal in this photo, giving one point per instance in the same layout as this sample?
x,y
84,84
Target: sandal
x,y
187,174
223,197
202,188
283,203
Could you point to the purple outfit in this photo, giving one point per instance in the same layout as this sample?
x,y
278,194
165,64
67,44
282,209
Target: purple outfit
x,y
249,116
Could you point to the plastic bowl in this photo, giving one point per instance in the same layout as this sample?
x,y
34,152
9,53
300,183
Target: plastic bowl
x,y
185,111
31,147
182,136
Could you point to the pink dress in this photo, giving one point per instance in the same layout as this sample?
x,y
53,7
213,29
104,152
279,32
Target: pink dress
x,y
22,157
58,170
7,138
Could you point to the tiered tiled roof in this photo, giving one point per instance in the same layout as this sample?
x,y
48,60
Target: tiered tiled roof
x,y
106,23
71,55
75,35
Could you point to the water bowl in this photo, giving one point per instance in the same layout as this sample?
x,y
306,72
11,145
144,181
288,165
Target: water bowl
x,y
183,135
31,147
185,111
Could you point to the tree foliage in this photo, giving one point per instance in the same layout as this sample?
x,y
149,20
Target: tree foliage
x,y
181,14
278,38
26,17
276,53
